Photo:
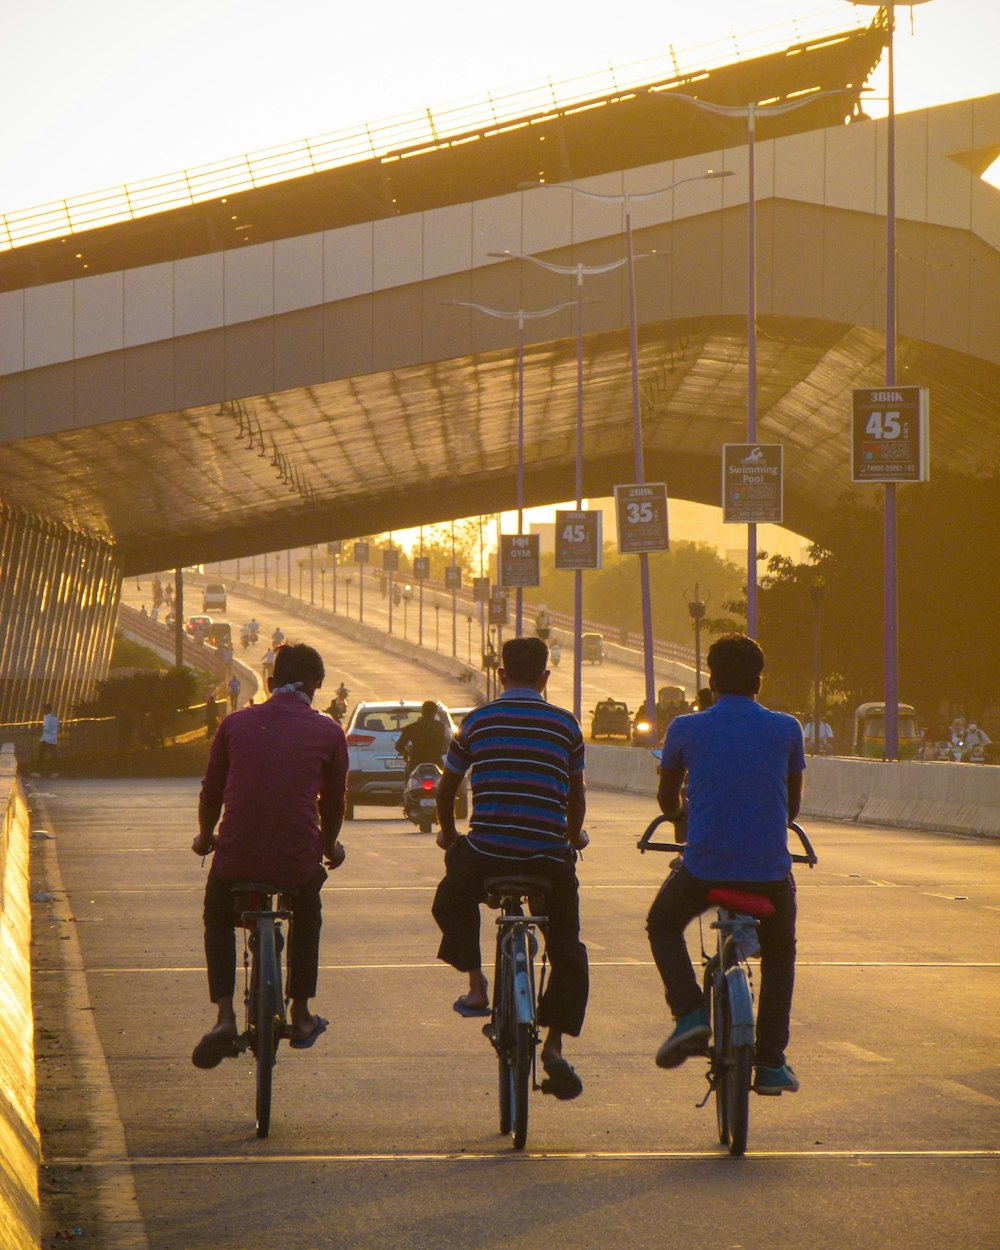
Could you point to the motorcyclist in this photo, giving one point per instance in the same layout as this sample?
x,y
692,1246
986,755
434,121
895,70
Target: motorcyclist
x,y
555,654
543,622
424,741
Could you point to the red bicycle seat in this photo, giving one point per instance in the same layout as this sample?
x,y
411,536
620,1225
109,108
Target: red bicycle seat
x,y
742,902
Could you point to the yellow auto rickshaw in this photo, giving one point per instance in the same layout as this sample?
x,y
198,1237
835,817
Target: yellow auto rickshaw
x,y
869,731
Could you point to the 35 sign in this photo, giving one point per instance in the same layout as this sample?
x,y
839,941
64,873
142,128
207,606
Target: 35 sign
x,y
641,511
578,540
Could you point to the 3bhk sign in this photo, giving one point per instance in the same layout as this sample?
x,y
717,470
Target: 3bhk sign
x,y
890,435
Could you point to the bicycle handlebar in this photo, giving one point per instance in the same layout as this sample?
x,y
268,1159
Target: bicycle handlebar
x,y
646,843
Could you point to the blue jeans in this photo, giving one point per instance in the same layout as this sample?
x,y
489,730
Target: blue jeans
x,y
681,898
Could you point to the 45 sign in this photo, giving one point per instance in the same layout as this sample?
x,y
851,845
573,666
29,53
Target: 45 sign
x,y
578,540
641,510
889,435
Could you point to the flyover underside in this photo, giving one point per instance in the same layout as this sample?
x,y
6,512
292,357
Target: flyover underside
x,y
405,411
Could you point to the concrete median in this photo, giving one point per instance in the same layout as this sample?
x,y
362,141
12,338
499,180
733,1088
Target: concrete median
x,y
937,797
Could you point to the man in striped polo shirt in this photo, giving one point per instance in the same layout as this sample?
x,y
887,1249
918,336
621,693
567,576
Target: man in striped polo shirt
x,y
528,804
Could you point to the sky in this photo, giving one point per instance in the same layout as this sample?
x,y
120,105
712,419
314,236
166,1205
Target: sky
x,y
100,94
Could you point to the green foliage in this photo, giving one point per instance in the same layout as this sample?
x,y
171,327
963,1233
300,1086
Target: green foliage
x,y
948,536
159,694
126,653
612,594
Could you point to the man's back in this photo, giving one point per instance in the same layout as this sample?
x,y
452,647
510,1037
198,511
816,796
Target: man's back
x,y
268,764
424,741
738,756
522,751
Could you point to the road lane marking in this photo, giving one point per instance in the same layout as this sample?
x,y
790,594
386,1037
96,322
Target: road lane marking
x,y
594,963
853,1051
555,1156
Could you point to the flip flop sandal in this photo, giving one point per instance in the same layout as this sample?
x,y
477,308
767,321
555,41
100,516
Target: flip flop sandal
x,y
304,1043
212,1049
561,1080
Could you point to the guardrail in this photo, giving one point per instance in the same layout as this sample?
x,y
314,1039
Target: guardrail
x,y
397,138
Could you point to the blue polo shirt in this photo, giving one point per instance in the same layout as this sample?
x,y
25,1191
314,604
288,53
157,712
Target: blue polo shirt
x,y
522,752
738,756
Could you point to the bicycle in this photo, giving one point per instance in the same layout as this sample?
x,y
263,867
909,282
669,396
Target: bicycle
x,y
513,1027
265,997
726,985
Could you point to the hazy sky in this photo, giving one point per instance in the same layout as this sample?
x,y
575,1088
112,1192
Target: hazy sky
x,y
100,93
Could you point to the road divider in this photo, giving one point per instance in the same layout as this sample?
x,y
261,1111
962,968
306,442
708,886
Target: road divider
x,y
935,796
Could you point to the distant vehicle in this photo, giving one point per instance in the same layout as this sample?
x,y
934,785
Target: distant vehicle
x,y
458,714
420,796
219,634
204,623
610,719
869,731
592,648
213,598
376,769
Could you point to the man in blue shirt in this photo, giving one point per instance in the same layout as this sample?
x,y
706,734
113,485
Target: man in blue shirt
x,y
528,804
744,767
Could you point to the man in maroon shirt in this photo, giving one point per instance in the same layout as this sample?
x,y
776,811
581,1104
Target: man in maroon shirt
x,y
280,771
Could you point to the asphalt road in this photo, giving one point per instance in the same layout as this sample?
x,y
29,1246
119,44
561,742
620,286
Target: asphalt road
x,y
385,1134
371,674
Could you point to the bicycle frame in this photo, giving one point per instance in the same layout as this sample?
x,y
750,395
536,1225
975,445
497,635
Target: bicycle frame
x,y
513,1027
728,995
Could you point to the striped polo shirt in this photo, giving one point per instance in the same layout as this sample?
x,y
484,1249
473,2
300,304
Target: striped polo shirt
x,y
522,752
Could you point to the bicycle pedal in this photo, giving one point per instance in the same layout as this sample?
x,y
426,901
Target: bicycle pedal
x,y
489,1033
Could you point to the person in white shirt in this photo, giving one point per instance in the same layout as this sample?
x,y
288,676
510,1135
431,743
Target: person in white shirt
x,y
825,735
48,745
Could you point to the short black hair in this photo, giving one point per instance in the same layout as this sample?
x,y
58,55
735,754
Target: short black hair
x,y
525,659
428,708
736,663
298,662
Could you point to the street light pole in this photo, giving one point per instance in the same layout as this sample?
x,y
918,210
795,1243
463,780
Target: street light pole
x,y
578,270
752,111
626,200
520,315
696,610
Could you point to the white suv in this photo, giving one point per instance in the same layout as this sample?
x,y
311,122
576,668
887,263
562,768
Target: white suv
x,y
376,770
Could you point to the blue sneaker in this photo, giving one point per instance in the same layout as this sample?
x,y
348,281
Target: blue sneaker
x,y
775,1080
690,1037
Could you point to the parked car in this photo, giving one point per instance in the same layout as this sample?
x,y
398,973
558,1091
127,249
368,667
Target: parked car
x,y
592,648
213,597
610,719
376,769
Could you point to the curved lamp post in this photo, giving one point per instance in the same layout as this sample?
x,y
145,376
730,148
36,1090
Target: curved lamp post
x,y
626,200
580,271
520,315
751,112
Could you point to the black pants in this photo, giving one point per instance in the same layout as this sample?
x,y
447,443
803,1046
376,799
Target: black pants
x,y
220,938
456,910
681,898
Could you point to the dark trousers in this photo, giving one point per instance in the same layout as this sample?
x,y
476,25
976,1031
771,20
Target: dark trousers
x,y
456,910
681,898
302,953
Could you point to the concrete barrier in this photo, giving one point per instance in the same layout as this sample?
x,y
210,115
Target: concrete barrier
x,y
937,797
20,1148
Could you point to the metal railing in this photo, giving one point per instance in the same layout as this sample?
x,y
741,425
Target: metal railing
x,y
401,137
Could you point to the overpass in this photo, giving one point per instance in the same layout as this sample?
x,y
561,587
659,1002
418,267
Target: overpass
x,y
203,389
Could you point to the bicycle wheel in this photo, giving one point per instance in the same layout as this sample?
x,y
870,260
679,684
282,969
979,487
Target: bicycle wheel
x,y
268,989
503,1036
737,1059
720,1044
520,1080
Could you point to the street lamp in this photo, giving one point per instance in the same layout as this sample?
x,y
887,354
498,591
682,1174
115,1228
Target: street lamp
x,y
696,610
626,200
580,271
890,656
520,315
751,111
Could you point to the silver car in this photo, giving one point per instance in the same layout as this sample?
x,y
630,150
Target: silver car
x,y
376,770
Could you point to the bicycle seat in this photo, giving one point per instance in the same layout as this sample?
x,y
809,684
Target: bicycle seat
x,y
742,902
500,888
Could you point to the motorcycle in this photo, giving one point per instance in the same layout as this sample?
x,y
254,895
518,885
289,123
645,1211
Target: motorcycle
x,y
420,796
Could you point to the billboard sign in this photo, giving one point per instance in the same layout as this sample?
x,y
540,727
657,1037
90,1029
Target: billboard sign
x,y
641,509
890,435
519,560
578,540
752,486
